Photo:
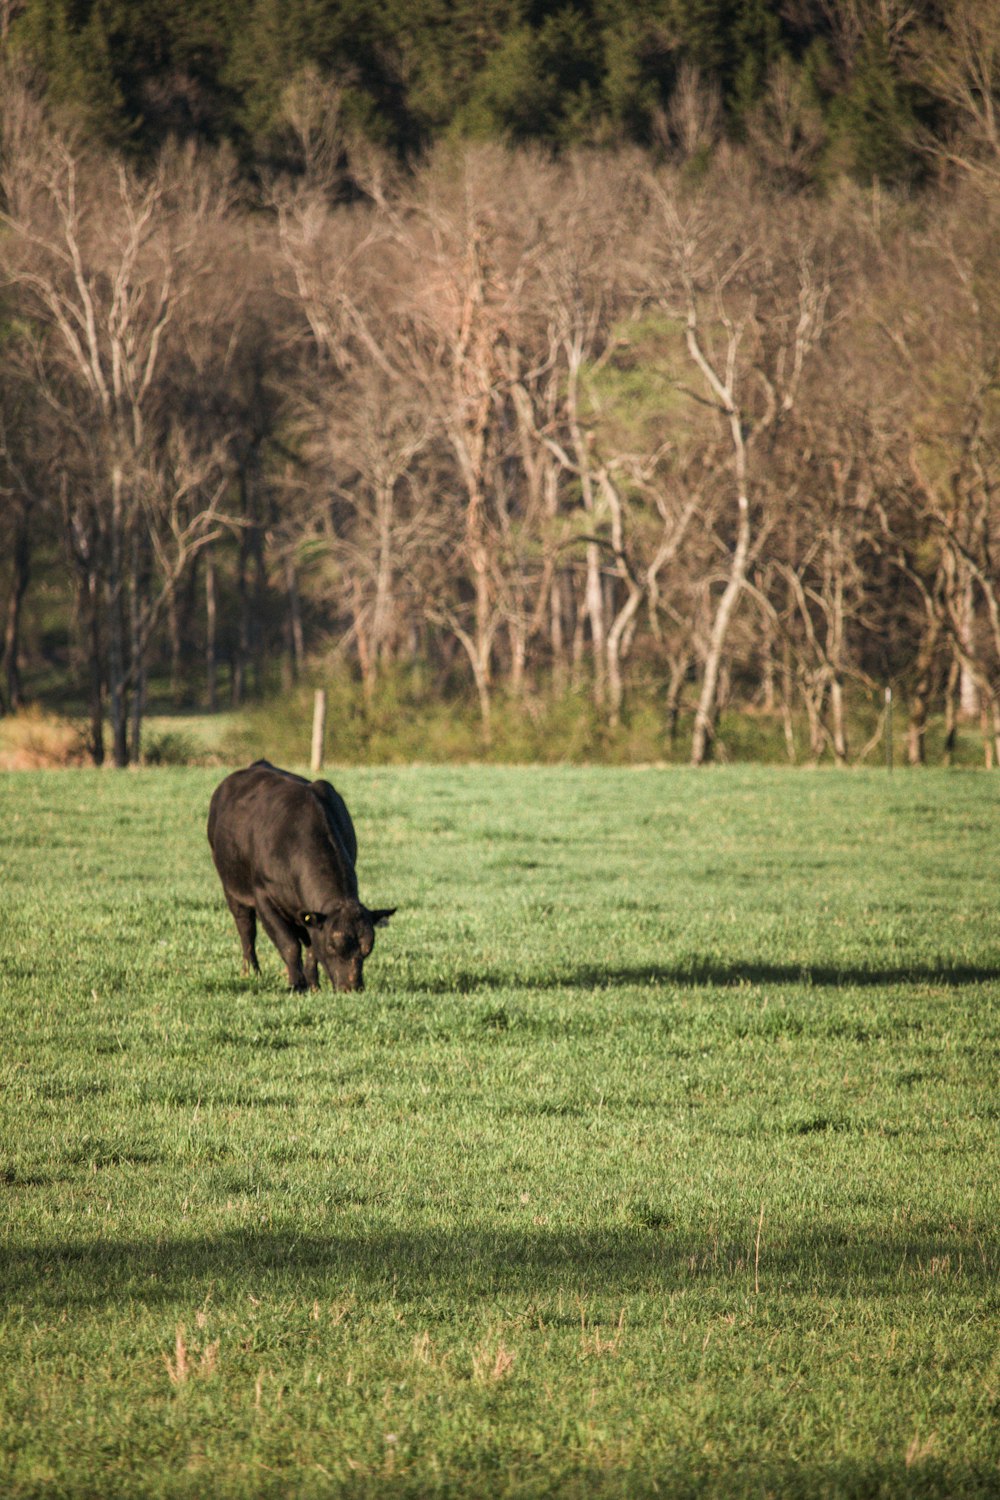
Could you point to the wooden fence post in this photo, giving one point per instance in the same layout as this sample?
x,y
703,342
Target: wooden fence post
x,y
319,730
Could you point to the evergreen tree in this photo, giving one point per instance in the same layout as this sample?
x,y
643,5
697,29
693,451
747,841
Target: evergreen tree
x,y
543,82
874,120
555,71
754,46
74,46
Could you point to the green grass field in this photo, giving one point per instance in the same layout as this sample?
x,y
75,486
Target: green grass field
x,y
660,1155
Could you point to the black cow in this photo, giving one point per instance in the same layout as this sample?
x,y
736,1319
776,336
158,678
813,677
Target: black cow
x,y
285,849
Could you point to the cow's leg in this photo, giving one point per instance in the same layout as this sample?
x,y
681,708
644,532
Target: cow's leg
x,y
285,939
309,966
246,925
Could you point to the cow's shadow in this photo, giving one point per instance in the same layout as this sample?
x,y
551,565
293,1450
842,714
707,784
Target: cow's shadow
x,y
710,972
570,1284
468,1263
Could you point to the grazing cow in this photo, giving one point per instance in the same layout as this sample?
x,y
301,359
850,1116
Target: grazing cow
x,y
285,849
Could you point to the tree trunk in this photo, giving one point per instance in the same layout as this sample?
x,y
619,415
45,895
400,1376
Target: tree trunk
x,y
968,693
787,722
180,615
594,586
479,558
258,613
176,649
920,698
383,607
241,651
518,654
951,711
478,653
768,696
294,640
482,678
116,624
362,643
678,676
91,597
994,716
707,711
594,597
139,583
835,647
21,573
988,739
211,660
138,709
557,639
618,639
813,694
838,717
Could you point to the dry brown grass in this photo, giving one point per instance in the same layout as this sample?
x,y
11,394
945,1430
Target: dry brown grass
x,y
492,1361
186,1362
33,740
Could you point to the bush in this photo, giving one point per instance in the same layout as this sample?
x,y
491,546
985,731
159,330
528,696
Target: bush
x,y
172,747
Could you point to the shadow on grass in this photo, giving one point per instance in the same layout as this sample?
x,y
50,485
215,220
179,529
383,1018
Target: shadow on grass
x,y
710,972
683,1476
465,1264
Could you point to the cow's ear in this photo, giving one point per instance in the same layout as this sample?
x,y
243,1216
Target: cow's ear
x,y
381,917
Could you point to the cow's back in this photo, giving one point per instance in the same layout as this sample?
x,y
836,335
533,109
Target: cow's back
x,y
339,817
242,817
266,822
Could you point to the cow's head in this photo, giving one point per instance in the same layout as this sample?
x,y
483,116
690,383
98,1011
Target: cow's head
x,y
343,938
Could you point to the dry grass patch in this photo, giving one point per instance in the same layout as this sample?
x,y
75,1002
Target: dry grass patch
x,y
34,740
188,1362
492,1361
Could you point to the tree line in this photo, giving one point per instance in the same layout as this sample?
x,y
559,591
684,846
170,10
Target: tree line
x,y
623,421
851,85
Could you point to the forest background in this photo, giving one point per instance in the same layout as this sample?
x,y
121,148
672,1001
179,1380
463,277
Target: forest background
x,y
581,379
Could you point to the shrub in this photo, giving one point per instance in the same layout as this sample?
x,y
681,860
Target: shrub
x,y
172,747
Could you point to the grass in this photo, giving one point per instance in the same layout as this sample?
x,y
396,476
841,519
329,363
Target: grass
x,y
659,1157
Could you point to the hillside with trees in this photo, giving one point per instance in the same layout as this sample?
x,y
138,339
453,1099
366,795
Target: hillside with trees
x,y
644,358
836,85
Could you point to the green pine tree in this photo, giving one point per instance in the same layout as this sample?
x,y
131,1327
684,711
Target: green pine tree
x,y
874,120
72,46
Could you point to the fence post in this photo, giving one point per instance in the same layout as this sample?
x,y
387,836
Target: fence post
x,y
888,728
319,730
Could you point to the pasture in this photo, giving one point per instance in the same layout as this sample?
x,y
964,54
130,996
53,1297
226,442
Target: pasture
x,y
659,1157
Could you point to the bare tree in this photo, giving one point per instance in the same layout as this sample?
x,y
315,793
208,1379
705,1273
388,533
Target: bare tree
x,y
961,68
750,321
787,128
23,494
98,260
932,381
